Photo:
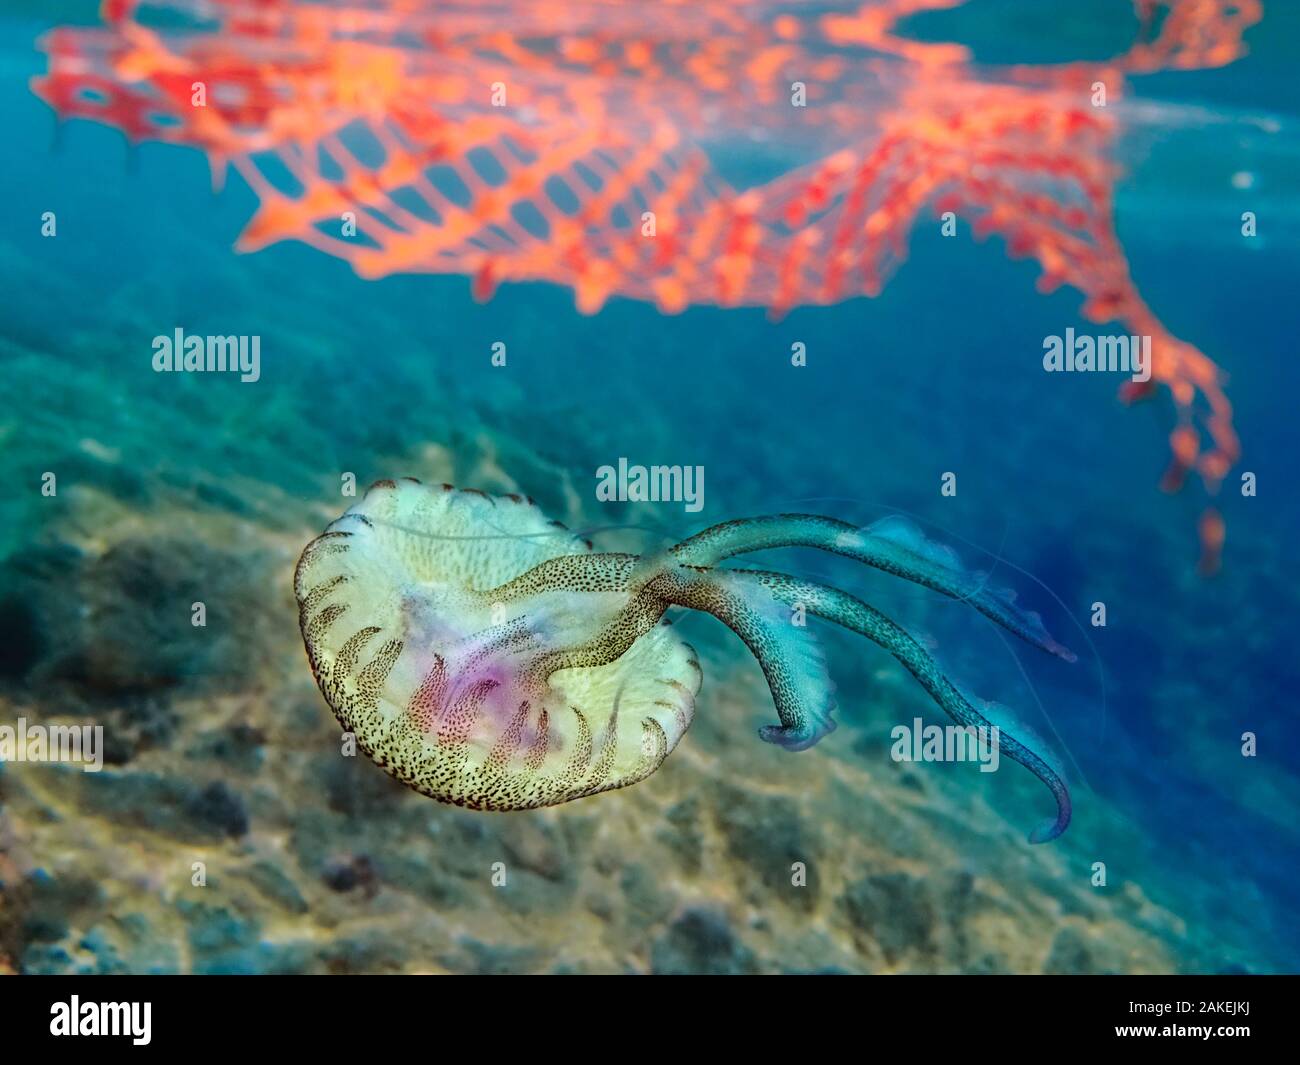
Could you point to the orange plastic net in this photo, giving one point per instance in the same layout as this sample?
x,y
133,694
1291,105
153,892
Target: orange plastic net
x,y
578,142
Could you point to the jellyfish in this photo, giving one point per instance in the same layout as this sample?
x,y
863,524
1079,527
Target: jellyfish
x,y
488,657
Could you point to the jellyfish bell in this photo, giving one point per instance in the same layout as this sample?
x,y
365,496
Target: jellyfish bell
x,y
488,657
466,695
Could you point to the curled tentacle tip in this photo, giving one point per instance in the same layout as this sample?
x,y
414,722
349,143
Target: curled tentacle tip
x,y
794,739
1051,828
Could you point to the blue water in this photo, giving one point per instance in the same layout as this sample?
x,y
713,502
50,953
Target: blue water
x,y
940,373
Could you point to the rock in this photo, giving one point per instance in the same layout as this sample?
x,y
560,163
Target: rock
x,y
1069,954
488,959
356,787
894,911
51,905
219,808
106,959
31,616
682,834
701,941
238,746
645,902
24,644
161,803
767,835
146,949
346,874
225,941
42,959
120,623
276,885
538,848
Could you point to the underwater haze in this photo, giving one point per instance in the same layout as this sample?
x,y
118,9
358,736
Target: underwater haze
x,y
813,255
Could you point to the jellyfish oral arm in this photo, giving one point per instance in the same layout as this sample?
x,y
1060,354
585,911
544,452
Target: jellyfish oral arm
x,y
607,572
892,544
852,613
597,622
791,662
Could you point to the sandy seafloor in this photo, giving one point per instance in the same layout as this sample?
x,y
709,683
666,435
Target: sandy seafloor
x,y
221,750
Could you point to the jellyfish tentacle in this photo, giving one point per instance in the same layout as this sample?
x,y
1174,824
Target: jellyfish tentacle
x,y
892,544
788,654
852,613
